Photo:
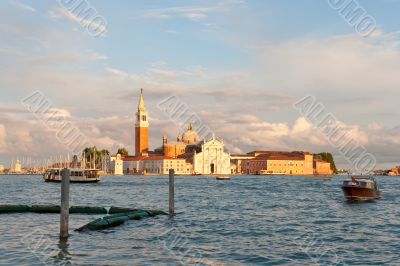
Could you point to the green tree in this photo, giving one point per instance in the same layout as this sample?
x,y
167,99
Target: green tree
x,y
94,156
122,151
327,157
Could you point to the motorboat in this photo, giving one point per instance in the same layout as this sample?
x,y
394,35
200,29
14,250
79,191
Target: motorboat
x,y
361,188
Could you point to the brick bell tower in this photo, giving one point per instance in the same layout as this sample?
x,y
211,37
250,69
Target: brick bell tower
x,y
141,129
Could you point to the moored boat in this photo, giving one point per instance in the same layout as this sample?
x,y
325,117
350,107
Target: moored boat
x,y
269,172
77,175
223,177
361,188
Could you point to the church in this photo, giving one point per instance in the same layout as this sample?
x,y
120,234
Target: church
x,y
188,155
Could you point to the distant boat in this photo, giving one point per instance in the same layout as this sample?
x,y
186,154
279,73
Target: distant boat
x,y
77,175
361,188
269,172
223,177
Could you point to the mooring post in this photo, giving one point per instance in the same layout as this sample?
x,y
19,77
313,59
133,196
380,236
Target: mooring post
x,y
64,217
171,192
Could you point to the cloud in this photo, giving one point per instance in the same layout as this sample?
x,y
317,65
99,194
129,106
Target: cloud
x,y
163,72
22,6
193,13
343,63
172,31
96,56
52,59
98,26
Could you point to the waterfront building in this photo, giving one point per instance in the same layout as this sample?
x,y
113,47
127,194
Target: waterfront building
x,y
236,162
117,164
212,159
322,168
17,167
154,165
141,129
1,168
274,162
160,165
191,155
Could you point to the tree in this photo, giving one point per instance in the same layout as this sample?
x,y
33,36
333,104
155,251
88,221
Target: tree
x,y
122,151
327,157
93,155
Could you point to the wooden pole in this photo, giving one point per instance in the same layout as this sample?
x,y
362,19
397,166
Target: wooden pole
x,y
64,217
171,192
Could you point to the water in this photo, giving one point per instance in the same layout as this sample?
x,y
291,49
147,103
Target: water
x,y
250,220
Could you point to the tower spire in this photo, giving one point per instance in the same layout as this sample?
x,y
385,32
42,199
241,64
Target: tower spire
x,y
141,106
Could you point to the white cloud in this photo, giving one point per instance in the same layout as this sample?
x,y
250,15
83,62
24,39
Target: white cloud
x,y
98,25
52,58
22,6
163,72
343,63
193,13
96,56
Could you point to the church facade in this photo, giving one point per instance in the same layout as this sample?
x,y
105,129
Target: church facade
x,y
212,159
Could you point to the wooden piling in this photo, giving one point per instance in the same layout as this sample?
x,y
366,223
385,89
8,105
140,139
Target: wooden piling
x,y
171,192
64,214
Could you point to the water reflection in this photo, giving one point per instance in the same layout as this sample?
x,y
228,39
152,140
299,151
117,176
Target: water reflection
x,y
62,256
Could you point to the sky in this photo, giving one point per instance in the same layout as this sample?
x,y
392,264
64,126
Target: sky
x,y
238,65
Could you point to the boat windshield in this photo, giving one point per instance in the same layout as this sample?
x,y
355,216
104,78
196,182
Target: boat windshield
x,y
359,183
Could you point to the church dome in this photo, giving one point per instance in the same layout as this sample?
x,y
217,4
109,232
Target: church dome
x,y
190,136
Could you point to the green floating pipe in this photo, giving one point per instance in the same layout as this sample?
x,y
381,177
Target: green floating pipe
x,y
87,210
72,209
13,208
44,209
115,210
118,219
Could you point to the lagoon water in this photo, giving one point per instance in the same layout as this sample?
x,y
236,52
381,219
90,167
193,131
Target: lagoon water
x,y
249,220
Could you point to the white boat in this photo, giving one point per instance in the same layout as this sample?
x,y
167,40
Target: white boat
x,y
269,172
77,175
223,177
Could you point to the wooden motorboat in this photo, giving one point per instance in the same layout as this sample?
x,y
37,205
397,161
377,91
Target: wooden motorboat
x,y
77,175
223,177
361,188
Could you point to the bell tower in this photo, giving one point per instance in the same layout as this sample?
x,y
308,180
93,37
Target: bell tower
x,y
141,129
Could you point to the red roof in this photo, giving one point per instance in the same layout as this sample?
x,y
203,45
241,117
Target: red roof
x,y
280,155
148,158
157,158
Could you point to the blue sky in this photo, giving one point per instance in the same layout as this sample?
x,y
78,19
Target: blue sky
x,y
239,65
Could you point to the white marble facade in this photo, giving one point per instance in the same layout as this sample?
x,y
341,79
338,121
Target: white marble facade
x,y
212,159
